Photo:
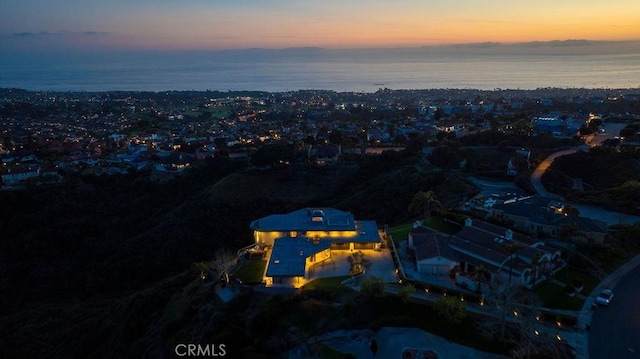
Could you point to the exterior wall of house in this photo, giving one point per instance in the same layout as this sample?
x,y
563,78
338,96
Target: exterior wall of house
x,y
597,238
267,238
319,257
466,283
552,231
10,178
436,266
331,234
518,221
288,281
340,246
358,246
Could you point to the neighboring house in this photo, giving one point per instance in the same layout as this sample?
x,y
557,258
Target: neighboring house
x,y
510,257
324,155
19,173
552,224
433,255
517,210
175,162
307,236
539,216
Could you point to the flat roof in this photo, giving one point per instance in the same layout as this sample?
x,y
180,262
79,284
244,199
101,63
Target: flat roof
x,y
289,255
306,219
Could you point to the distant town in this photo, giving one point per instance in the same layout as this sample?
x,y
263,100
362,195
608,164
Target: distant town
x,y
45,135
315,223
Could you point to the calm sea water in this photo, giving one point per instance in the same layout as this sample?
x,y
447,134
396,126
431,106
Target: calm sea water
x,y
344,71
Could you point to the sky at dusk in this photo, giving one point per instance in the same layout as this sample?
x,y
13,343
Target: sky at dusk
x,y
67,25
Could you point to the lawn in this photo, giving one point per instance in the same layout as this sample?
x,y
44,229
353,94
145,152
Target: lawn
x,y
553,296
251,271
567,275
439,224
401,233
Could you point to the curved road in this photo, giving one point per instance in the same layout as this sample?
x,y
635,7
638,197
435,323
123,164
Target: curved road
x,y
536,176
593,212
615,330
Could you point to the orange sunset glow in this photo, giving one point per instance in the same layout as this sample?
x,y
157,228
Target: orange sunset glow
x,y
203,25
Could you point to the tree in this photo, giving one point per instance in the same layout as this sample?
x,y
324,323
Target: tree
x,y
373,345
445,157
272,155
630,130
481,275
513,248
372,286
423,202
520,310
568,233
222,263
503,300
406,291
452,309
358,262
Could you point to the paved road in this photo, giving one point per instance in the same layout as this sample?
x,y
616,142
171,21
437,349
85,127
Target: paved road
x,y
585,210
536,176
615,331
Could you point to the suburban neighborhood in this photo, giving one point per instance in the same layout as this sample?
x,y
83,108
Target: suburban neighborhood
x,y
501,217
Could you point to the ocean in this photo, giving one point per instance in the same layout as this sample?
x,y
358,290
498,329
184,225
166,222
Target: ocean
x,y
311,68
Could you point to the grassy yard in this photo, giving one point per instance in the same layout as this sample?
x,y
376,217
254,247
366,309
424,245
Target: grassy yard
x,y
401,233
439,224
567,275
553,296
251,271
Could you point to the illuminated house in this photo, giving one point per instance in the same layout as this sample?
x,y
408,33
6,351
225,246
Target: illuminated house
x,y
307,236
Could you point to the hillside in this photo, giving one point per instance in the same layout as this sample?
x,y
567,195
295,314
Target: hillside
x,y
109,266
606,178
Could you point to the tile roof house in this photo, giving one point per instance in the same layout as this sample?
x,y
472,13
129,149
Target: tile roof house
x,y
324,155
302,238
17,174
512,258
539,216
432,253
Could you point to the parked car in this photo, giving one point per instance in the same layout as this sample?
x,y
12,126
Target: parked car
x,y
605,297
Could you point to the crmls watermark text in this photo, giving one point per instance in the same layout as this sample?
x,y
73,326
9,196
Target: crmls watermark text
x,y
200,350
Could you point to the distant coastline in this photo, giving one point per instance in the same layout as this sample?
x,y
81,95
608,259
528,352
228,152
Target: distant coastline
x,y
485,66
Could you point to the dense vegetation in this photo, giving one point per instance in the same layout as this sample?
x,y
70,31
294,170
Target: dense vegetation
x,y
92,265
609,178
109,265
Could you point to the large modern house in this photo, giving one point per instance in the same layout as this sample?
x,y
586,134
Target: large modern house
x,y
303,238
